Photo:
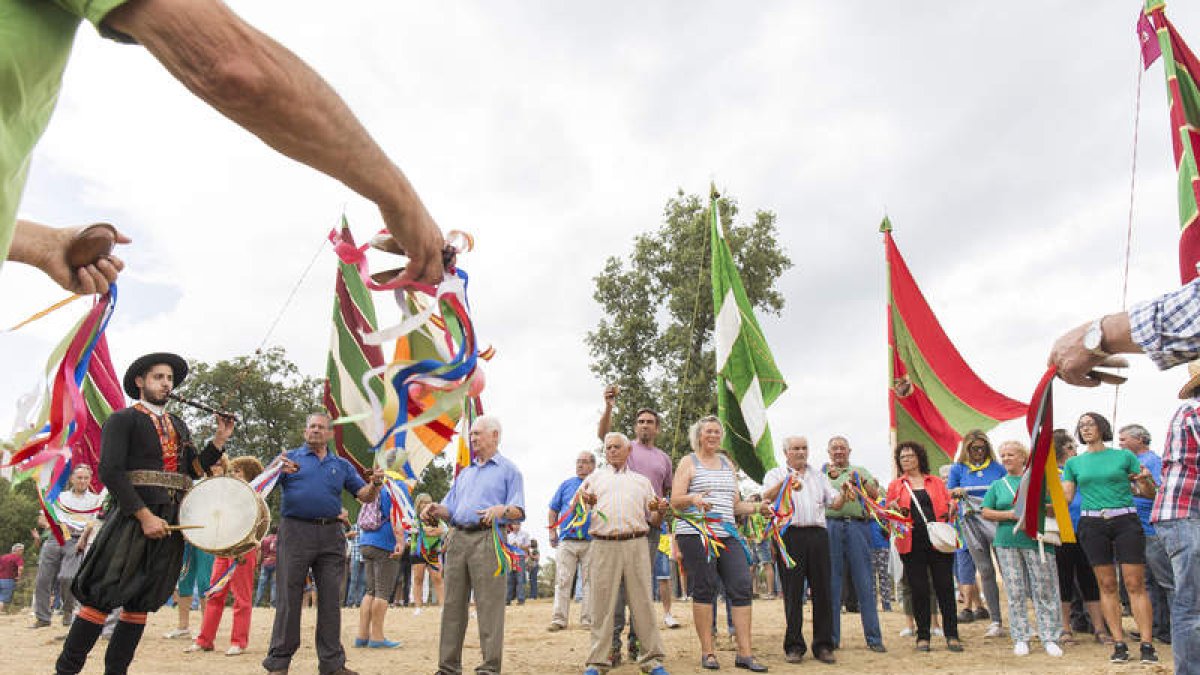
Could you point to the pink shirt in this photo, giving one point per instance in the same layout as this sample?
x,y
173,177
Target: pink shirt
x,y
652,463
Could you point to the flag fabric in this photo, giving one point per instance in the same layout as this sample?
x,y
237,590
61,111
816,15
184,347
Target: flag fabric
x,y
1148,40
747,379
934,397
1182,68
350,360
1041,470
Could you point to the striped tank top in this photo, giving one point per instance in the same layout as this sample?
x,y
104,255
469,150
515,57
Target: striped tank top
x,y
720,485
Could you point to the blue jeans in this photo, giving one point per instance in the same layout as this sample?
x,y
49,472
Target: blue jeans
x,y
266,579
516,587
356,585
1160,584
1181,539
850,544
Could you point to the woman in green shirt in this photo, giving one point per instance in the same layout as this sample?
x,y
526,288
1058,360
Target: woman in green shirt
x,y
1109,529
1028,574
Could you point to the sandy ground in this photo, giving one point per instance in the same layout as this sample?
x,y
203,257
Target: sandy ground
x,y
529,648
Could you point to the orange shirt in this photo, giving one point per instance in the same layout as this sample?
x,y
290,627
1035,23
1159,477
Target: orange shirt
x,y
938,494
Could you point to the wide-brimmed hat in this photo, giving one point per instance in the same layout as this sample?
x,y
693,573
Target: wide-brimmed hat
x,y
139,367
1193,380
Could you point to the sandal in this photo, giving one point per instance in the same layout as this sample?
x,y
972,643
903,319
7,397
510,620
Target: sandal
x,y
1068,638
709,662
922,645
954,645
1104,638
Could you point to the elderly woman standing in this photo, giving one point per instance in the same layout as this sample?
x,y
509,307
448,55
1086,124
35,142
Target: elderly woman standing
x,y
925,498
1109,529
381,565
705,481
1028,574
973,472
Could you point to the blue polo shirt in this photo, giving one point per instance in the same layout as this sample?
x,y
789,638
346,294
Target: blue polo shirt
x,y
315,491
562,501
481,485
1153,463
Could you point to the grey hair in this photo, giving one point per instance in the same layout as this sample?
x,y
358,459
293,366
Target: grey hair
x,y
488,422
694,430
1137,431
618,435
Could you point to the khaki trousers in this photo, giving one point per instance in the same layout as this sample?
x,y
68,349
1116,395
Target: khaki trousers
x,y
469,565
572,554
613,563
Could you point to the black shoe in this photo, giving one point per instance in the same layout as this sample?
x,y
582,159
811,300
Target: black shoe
x,y
750,664
966,616
1165,638
878,648
1120,653
40,624
794,657
982,614
1148,653
824,656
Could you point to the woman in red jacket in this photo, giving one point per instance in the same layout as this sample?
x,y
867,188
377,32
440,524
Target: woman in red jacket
x,y
920,558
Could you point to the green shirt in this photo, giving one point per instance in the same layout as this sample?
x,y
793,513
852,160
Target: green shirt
x,y
1102,477
852,508
1000,497
35,42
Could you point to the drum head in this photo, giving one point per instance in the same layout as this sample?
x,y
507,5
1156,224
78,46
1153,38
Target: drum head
x,y
226,508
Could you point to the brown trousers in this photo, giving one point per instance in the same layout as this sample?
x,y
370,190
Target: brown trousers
x,y
469,564
613,563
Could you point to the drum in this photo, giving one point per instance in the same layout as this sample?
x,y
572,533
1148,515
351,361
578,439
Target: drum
x,y
232,518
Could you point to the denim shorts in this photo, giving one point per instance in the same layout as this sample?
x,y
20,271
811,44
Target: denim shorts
x,y
662,566
763,552
964,567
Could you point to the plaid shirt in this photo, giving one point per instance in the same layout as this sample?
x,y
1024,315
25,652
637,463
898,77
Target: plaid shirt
x,y
1179,495
355,549
1168,327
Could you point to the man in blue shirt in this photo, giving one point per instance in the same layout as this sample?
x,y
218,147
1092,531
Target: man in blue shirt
x,y
1160,578
311,536
488,492
572,544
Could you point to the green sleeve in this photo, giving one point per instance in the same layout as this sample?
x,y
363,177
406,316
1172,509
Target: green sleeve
x,y
1132,464
990,499
1068,474
94,12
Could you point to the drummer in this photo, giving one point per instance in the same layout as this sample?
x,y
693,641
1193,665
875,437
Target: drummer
x,y
310,536
148,461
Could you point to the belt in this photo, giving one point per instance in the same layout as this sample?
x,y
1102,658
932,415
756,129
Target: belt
x,y
162,479
1109,513
316,521
845,518
618,537
474,527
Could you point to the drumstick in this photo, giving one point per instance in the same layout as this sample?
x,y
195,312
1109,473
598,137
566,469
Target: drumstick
x,y
176,528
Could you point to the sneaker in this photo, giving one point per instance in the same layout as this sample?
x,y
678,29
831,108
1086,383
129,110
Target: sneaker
x,y
907,632
178,633
994,630
1148,653
1053,649
235,650
659,670
360,642
192,648
966,616
383,644
417,612
555,627
937,632
1021,649
981,614
40,624
1120,653
670,621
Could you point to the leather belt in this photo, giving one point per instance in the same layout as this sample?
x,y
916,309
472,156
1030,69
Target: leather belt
x,y
846,518
1108,513
316,521
474,527
162,479
618,537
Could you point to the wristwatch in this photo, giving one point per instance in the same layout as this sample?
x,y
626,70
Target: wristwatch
x,y
1093,337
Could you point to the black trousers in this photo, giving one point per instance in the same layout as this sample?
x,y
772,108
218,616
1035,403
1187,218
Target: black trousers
x,y
809,547
922,563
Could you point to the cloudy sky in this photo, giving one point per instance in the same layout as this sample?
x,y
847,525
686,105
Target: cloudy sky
x,y
999,139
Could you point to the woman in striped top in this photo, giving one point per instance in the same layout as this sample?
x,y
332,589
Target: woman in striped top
x,y
706,483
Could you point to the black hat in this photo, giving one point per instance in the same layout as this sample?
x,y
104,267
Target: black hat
x,y
139,367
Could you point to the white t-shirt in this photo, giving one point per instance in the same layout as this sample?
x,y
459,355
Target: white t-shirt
x,y
519,540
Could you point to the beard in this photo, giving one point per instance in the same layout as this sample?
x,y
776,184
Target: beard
x,y
156,399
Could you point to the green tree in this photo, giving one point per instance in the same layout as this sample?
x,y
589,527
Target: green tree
x,y
18,516
269,394
655,340
436,479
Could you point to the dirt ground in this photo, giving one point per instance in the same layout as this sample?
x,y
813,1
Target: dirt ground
x,y
529,648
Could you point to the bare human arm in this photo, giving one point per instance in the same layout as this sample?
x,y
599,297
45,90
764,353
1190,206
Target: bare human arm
x,y
1074,361
610,396
266,89
45,247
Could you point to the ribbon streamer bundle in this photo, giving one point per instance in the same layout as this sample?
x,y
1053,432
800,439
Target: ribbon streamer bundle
x,y
704,523
782,509
1041,470
506,555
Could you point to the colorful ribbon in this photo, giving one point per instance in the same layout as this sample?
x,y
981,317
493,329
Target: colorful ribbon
x,y
703,523
507,556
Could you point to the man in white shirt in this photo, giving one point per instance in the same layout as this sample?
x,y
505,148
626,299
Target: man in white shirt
x,y
519,540
57,564
807,544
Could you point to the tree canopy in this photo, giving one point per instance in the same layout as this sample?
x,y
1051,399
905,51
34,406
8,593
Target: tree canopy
x,y
655,338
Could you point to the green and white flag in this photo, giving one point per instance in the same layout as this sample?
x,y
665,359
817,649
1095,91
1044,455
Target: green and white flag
x,y
747,379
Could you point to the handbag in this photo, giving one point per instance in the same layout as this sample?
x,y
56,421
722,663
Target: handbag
x,y
370,516
942,536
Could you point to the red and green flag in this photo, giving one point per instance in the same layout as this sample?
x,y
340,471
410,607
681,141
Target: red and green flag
x,y
1181,68
934,396
350,359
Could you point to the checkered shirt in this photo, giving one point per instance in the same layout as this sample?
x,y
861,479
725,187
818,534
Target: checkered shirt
x,y
1179,495
1168,327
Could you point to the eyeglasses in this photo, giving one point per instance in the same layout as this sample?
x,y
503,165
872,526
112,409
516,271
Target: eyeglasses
x,y
1086,425
973,448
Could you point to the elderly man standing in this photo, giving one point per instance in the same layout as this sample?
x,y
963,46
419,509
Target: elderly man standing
x,y
632,510
488,492
573,544
656,466
311,537
1160,580
57,564
807,543
850,543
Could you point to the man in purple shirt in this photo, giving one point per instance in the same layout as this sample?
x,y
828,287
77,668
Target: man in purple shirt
x,y
654,464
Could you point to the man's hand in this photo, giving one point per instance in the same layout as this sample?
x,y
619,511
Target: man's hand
x,y
660,505
610,395
491,513
289,467
414,230
45,248
588,498
429,514
766,509
378,476
224,430
153,527
833,472
1075,362
553,538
